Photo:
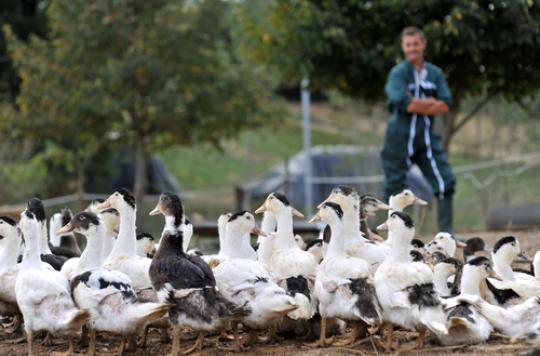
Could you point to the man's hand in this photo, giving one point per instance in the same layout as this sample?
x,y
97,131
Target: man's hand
x,y
427,106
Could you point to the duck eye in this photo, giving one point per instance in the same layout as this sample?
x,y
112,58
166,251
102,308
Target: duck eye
x,y
248,217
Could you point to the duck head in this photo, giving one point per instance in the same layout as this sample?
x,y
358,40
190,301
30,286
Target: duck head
x,y
8,228
472,246
330,213
345,196
506,249
478,269
404,199
35,205
444,241
370,205
241,223
276,203
169,204
82,223
397,221
121,200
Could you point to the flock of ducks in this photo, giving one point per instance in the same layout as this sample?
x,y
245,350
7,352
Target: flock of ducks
x,y
349,280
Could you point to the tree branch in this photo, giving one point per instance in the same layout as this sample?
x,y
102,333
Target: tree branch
x,y
472,113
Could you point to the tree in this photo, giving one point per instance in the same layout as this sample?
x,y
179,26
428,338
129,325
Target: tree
x,y
486,48
146,74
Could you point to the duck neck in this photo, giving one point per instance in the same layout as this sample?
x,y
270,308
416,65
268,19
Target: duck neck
x,y
91,256
170,224
503,266
42,237
440,279
31,255
126,243
400,242
284,232
54,238
336,246
107,244
268,225
10,250
470,281
395,205
351,226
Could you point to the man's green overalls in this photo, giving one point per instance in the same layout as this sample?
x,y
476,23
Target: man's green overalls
x,y
410,138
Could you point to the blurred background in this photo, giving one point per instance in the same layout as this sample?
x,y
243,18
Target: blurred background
x,y
203,97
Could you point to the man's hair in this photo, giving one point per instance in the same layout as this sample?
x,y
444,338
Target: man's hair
x,y
412,31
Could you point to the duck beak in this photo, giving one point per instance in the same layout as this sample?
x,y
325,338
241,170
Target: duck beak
x,y
65,229
105,205
321,204
419,201
383,226
297,213
261,209
315,219
258,232
155,211
524,256
460,244
383,206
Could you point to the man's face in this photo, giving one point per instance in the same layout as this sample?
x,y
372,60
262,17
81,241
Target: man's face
x,y
413,47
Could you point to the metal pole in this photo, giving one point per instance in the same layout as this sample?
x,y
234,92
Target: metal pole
x,y
306,133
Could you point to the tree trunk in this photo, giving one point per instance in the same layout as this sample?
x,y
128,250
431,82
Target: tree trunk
x,y
141,174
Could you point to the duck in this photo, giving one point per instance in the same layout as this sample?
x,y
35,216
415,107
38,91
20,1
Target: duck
x,y
442,272
123,256
356,245
44,296
246,282
146,245
343,286
418,245
107,295
291,267
503,254
9,236
266,243
35,205
214,260
188,284
170,205
398,202
65,245
369,206
465,324
405,289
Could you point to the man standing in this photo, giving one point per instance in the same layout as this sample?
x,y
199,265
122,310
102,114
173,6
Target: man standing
x,y
416,92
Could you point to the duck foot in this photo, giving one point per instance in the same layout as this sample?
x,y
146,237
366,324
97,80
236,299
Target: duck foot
x,y
198,345
48,341
70,350
323,341
359,328
142,340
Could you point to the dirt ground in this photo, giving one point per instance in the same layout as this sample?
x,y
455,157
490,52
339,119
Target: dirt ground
x,y
498,344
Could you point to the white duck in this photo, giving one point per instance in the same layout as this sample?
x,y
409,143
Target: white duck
x,y
111,219
170,205
123,256
398,202
9,268
108,295
355,244
442,273
266,242
343,285
246,282
503,254
445,243
292,268
223,253
405,289
44,296
464,322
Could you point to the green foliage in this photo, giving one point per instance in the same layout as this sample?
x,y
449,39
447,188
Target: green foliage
x,y
128,73
350,45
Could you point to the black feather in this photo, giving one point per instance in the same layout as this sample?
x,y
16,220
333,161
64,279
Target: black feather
x,y
8,220
327,234
366,302
416,256
462,310
282,198
336,207
502,295
346,190
417,243
145,235
406,218
502,242
297,285
236,215
477,261
314,242
35,205
423,295
66,216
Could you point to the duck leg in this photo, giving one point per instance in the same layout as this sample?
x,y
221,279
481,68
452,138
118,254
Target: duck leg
x,y
48,341
198,345
142,340
252,337
387,329
30,340
417,345
122,346
358,327
323,340
272,334
176,341
238,345
70,350
92,343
